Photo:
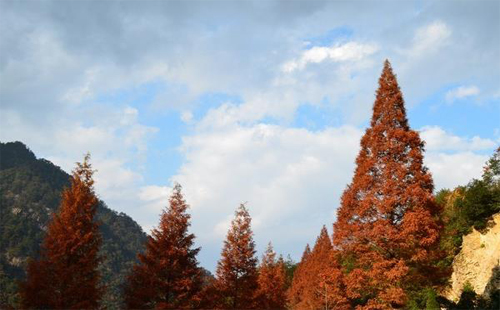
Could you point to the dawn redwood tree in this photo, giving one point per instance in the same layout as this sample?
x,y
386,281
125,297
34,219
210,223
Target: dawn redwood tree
x,y
271,281
387,226
331,286
314,293
324,289
66,276
321,281
296,289
236,274
167,276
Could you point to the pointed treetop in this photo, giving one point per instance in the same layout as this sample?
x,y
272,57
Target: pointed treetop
x,y
269,256
271,282
323,238
307,282
241,222
270,249
177,201
240,230
324,231
242,210
167,275
66,274
389,109
306,253
491,172
236,273
177,188
323,244
174,220
84,171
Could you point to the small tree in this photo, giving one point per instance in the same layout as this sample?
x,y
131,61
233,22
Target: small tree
x,y
65,276
168,276
272,281
318,280
315,295
468,298
296,289
331,284
491,172
237,269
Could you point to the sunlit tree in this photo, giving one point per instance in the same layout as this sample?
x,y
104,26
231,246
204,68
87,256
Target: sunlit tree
x,y
271,281
167,276
236,274
387,226
66,276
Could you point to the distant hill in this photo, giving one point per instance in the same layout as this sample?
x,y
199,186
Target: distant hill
x,y
30,191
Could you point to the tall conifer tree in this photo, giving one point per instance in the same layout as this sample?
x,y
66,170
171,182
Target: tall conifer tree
x,y
271,280
237,269
168,276
387,225
65,276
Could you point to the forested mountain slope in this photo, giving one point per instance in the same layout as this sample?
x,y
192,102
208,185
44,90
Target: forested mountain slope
x,y
30,191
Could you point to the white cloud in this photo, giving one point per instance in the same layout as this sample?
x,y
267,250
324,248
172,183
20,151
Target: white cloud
x,y
461,92
154,193
454,160
115,138
82,92
187,116
290,178
438,139
451,170
152,200
51,76
429,38
351,51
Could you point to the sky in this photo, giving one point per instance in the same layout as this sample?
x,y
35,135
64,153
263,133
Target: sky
x,y
256,102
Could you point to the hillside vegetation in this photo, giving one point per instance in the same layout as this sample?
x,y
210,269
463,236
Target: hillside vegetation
x,y
30,191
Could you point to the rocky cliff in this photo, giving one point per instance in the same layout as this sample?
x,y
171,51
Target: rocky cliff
x,y
478,262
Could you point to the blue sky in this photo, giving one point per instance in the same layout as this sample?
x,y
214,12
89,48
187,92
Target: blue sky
x,y
261,102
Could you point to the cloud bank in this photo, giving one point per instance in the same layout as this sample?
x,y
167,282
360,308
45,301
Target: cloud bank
x,y
252,101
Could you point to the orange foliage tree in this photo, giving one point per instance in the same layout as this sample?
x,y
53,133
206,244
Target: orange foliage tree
x,y
236,274
331,286
387,226
296,289
271,281
168,276
65,276
319,283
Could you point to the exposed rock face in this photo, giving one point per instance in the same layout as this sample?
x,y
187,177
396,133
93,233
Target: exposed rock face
x,y
478,262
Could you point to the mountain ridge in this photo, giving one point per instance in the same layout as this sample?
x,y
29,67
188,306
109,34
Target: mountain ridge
x,y
30,191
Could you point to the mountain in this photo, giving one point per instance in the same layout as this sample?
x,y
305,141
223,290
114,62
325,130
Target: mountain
x,y
30,191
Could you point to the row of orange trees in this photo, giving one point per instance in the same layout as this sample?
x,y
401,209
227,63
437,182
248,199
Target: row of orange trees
x,y
384,249
167,275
